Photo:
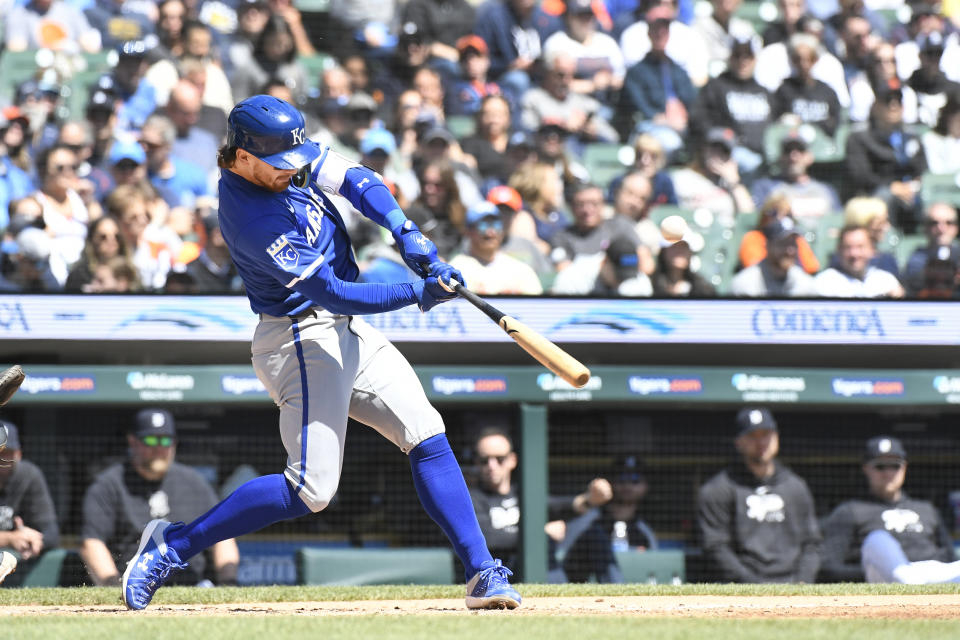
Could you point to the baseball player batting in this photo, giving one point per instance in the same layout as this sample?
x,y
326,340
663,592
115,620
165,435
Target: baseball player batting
x,y
319,361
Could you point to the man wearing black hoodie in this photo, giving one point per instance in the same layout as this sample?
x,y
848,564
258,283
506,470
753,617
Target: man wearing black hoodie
x,y
887,536
757,518
929,82
736,100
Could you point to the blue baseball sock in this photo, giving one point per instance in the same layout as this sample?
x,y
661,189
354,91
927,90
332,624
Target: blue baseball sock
x,y
254,505
445,497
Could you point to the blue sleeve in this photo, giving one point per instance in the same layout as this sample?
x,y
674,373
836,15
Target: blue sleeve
x,y
287,257
341,296
366,191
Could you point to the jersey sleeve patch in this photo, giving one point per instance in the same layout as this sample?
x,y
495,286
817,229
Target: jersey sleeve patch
x,y
283,253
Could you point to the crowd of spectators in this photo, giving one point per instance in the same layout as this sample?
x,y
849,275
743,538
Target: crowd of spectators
x,y
461,104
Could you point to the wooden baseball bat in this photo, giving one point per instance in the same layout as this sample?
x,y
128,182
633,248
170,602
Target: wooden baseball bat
x,y
545,352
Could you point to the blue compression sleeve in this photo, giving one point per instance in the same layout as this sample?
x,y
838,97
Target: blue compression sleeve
x,y
357,298
371,197
256,504
446,499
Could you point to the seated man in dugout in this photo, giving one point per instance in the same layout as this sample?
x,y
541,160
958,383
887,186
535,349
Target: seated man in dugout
x,y
887,536
148,485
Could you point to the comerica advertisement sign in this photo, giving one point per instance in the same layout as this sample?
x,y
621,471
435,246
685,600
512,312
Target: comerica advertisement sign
x,y
577,320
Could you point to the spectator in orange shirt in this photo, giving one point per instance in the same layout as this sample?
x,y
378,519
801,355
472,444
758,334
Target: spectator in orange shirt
x,y
753,247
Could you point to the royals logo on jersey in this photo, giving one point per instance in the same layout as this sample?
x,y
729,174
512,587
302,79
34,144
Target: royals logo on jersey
x,y
283,253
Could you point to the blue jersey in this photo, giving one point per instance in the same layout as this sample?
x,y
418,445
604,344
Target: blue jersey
x,y
292,249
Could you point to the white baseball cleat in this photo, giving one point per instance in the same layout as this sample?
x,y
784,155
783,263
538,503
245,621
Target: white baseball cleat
x,y
8,564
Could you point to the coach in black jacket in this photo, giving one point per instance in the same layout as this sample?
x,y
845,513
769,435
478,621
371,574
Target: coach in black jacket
x,y
757,519
915,525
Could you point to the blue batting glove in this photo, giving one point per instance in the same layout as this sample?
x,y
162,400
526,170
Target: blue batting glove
x,y
415,248
433,294
445,273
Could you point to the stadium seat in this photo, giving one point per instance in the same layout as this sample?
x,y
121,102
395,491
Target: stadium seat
x,y
316,6
758,13
940,188
745,222
461,126
315,65
602,161
15,68
718,259
412,565
824,234
825,148
663,566
909,243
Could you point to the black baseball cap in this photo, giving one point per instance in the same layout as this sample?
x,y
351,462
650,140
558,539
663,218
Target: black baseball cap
x,y
752,418
781,229
628,468
884,447
153,422
13,437
793,140
622,253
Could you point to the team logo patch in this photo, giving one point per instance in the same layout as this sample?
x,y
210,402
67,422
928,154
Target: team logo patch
x,y
298,135
283,253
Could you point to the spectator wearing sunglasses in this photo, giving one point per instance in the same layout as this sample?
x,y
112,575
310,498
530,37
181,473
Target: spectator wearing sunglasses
x,y
67,202
887,536
940,227
485,266
149,484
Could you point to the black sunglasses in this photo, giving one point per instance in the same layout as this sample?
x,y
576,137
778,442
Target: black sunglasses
x,y
485,459
157,441
888,466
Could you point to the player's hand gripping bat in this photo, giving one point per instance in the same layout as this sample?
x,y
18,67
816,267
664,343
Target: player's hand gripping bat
x,y
546,353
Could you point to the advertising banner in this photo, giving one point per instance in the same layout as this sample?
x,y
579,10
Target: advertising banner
x,y
582,320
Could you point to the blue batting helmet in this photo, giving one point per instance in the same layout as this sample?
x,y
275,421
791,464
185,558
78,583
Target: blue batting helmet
x,y
272,130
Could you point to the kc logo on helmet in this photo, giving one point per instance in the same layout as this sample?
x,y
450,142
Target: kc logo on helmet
x,y
298,135
283,253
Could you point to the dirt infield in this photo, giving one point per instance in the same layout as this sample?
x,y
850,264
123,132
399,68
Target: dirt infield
x,y
907,607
